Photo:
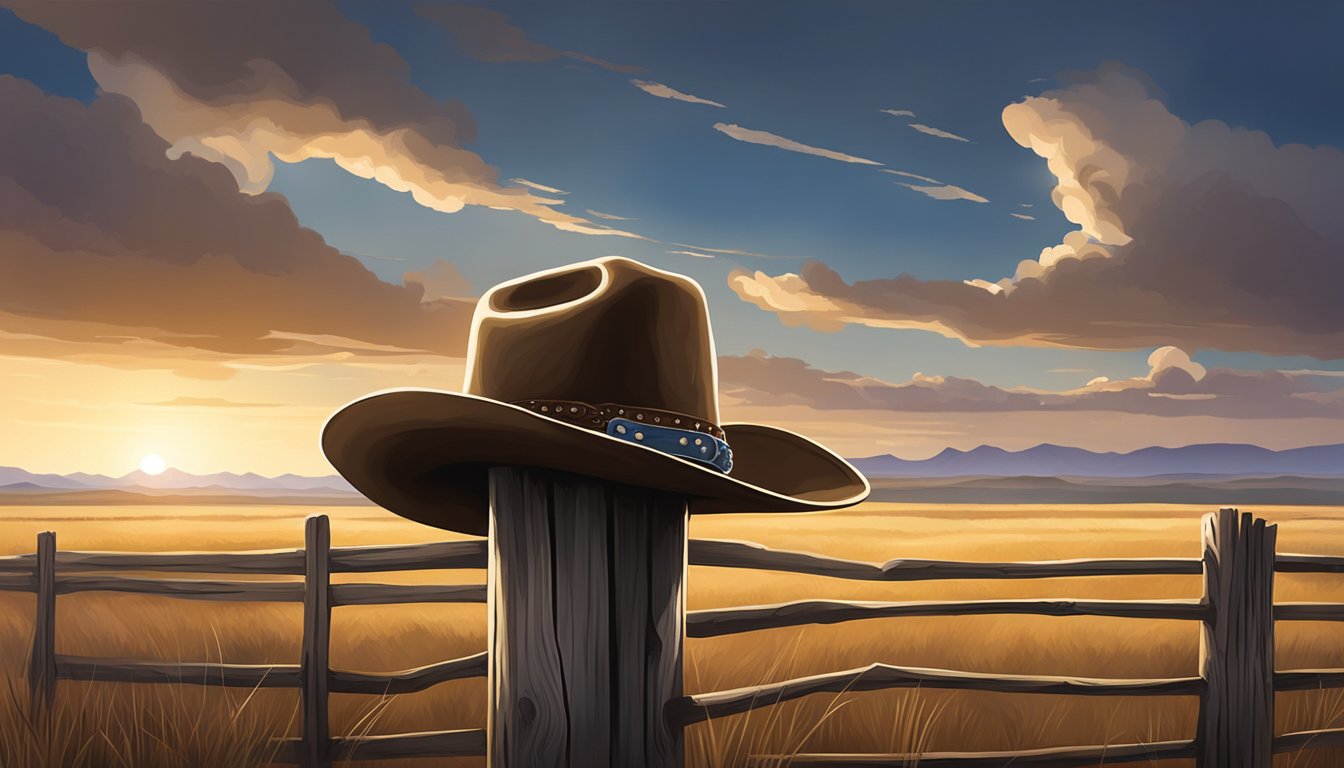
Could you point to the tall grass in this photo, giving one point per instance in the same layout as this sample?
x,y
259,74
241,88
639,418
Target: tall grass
x,y
109,724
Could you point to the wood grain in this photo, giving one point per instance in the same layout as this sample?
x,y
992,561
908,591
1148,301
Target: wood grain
x,y
315,725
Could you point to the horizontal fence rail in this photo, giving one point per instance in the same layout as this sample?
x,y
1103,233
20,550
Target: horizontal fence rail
x,y
875,677
1054,757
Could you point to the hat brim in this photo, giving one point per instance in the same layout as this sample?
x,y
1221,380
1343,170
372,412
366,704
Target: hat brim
x,y
426,454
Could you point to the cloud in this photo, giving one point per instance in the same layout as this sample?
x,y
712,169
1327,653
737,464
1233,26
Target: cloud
x,y
487,35
931,131
696,254
108,244
909,175
245,84
1025,205
1201,236
208,402
442,280
735,252
1022,216
665,92
947,192
609,216
897,112
772,140
1173,387
538,187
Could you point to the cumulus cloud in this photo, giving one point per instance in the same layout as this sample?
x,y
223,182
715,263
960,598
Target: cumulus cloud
x,y
772,140
441,280
665,92
106,242
938,132
1174,386
487,35
244,84
1201,236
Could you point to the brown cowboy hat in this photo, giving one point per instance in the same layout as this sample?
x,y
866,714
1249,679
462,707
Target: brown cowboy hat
x,y
604,368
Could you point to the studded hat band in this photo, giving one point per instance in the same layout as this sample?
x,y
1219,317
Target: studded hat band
x,y
674,433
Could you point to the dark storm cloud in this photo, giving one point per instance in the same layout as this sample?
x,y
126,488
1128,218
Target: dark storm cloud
x,y
243,83
1198,235
1173,386
103,237
487,35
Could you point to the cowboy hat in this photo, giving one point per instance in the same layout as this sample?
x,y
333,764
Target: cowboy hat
x,y
604,368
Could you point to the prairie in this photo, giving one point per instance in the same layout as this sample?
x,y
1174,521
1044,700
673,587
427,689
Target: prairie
x,y
140,725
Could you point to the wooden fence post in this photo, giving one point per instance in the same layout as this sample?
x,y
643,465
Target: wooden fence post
x,y
314,670
42,661
1236,650
587,610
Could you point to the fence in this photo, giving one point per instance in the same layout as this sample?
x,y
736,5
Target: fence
x,y
1236,684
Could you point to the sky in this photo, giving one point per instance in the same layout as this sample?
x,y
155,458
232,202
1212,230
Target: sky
x,y
918,225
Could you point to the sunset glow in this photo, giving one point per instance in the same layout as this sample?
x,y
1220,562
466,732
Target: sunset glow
x,y
153,464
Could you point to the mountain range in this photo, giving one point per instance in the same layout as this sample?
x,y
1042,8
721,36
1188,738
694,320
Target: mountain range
x,y
15,479
1215,459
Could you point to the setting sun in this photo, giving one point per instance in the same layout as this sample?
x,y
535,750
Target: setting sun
x,y
153,464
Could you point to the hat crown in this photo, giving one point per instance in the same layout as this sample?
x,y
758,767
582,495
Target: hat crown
x,y
609,330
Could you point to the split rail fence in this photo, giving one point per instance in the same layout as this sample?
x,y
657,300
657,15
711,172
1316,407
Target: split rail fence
x,y
1236,614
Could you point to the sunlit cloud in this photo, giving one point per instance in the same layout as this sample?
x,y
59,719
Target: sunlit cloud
x,y
538,187
696,254
938,132
909,175
736,252
609,216
487,35
946,192
773,140
666,92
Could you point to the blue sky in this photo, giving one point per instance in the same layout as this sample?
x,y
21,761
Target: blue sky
x,y
818,74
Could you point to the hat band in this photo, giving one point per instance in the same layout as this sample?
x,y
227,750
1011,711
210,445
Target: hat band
x,y
673,433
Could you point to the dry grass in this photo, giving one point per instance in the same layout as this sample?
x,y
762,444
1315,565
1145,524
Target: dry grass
x,y
171,725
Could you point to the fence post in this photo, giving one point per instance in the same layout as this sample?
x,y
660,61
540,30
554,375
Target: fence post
x,y
42,661
314,671
587,612
1236,649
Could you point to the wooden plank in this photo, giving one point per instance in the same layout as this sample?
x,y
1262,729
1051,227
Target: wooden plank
x,y
1317,739
17,582
389,594
1054,757
582,617
1293,563
208,673
410,557
409,680
666,625
189,589
745,554
278,562
1236,718
315,725
1308,679
1309,612
726,621
527,697
42,659
876,677
630,605
464,743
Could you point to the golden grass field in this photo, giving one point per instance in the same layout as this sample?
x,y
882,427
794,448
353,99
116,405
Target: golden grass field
x,y
143,726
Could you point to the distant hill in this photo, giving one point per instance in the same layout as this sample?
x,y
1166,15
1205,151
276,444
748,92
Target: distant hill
x,y
13,479
1217,459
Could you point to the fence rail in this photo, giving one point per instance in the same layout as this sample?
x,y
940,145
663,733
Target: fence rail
x,y
1236,615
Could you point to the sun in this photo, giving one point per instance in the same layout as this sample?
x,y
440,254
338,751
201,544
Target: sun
x,y
153,464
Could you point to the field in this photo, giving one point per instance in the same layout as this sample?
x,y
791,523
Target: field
x,y
125,725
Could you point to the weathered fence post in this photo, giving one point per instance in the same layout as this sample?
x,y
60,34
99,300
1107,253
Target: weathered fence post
x,y
314,671
1236,650
42,662
587,605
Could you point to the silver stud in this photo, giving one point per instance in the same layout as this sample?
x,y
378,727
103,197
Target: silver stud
x,y
544,409
620,428
683,441
676,421
573,409
639,416
704,449
639,435
621,412
698,441
697,425
657,420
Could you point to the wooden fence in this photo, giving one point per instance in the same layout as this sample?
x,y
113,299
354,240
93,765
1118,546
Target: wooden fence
x,y
1236,614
